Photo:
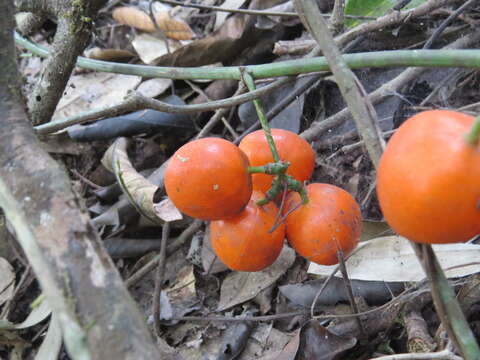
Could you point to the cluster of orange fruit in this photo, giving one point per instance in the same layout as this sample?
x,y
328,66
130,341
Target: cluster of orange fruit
x,y
209,179
427,185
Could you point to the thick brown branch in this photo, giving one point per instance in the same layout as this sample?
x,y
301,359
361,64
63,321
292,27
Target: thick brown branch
x,y
74,20
81,284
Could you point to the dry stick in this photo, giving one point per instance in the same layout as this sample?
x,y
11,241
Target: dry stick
x,y
251,12
174,246
445,23
218,115
238,319
388,89
364,119
390,19
351,298
136,101
159,278
407,295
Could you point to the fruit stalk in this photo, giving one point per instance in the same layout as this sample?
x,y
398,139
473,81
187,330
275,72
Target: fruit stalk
x,y
248,80
473,135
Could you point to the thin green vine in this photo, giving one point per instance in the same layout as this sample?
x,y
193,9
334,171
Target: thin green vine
x,y
379,59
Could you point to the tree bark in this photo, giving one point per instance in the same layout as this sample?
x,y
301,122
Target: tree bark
x,y
99,319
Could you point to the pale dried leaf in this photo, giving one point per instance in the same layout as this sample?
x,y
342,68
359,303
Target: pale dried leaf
x,y
154,87
397,261
7,280
239,287
150,48
222,16
171,27
94,90
266,341
210,262
167,211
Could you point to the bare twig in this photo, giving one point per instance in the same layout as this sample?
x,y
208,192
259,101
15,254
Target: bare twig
x,y
365,119
438,31
159,278
135,101
390,88
174,246
249,11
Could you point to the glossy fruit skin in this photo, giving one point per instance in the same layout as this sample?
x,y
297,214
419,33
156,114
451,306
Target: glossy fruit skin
x,y
208,179
329,222
243,242
291,148
428,179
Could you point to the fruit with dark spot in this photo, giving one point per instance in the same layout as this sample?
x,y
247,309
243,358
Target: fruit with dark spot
x,y
208,179
331,221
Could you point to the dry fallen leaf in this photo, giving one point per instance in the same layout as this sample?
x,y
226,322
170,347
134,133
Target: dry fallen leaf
x,y
395,256
172,28
150,48
109,54
239,287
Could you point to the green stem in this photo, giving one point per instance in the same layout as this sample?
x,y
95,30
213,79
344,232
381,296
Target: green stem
x,y
276,168
256,169
248,79
473,135
379,59
447,305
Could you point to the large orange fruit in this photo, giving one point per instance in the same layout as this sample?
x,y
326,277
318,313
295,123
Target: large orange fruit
x,y
428,179
243,242
329,222
291,148
208,179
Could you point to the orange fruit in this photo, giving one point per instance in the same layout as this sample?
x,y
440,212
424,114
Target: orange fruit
x,y
208,179
243,242
428,179
291,148
329,222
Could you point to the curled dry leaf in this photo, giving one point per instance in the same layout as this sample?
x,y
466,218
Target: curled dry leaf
x,y
138,189
167,211
172,28
109,54
39,313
